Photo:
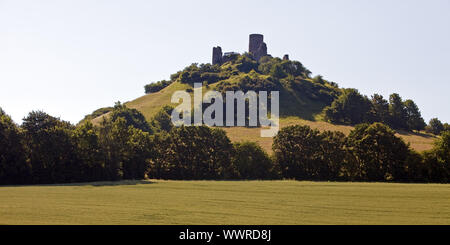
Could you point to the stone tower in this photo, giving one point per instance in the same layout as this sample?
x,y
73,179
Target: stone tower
x,y
217,55
256,46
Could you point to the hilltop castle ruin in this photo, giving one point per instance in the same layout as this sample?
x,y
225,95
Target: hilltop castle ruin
x,y
257,48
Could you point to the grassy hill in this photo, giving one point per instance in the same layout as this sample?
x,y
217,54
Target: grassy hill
x,y
302,98
225,203
150,104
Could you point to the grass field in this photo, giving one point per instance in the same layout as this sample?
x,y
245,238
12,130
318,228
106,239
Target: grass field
x,y
216,202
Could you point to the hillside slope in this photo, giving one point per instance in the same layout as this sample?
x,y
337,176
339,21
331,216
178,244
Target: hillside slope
x,y
302,98
150,104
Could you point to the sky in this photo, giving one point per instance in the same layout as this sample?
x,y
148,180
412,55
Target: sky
x,y
69,58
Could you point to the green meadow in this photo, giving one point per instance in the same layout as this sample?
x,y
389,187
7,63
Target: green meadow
x,y
226,203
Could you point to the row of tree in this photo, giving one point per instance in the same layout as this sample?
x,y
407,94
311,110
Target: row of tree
x,y
45,149
371,152
353,108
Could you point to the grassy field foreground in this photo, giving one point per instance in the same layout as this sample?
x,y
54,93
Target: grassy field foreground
x,y
215,202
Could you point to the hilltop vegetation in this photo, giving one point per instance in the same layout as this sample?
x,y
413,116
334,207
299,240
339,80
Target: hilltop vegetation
x,y
306,100
300,95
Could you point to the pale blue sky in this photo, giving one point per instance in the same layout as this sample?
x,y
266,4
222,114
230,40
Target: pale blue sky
x,y
69,58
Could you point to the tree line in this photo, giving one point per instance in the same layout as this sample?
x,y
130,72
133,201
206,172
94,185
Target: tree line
x,y
353,108
45,149
371,152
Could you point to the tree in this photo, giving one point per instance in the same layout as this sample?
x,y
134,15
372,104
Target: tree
x,y
414,119
380,155
139,152
192,153
113,138
415,168
380,109
334,156
89,153
435,126
437,160
163,120
296,151
277,71
304,153
349,108
160,166
442,148
132,117
156,87
13,166
446,127
50,148
397,110
252,162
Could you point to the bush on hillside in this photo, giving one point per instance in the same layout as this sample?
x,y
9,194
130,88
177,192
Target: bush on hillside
x,y
156,87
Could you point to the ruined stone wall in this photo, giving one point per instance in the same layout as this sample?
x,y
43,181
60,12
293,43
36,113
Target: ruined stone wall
x,y
256,46
256,40
217,55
